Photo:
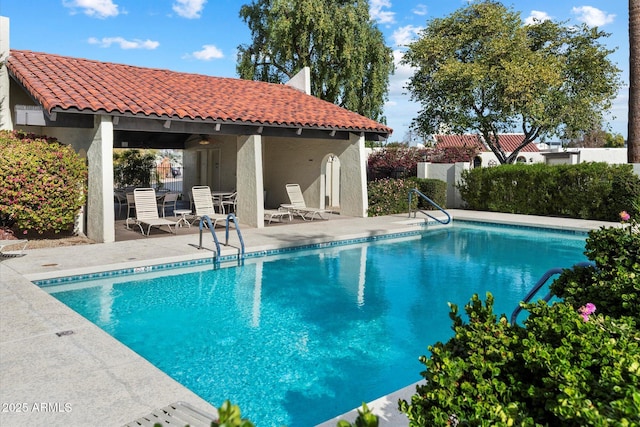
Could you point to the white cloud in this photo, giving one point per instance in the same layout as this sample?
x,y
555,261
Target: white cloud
x,y
592,17
208,52
124,43
405,35
382,16
536,16
189,8
94,8
420,9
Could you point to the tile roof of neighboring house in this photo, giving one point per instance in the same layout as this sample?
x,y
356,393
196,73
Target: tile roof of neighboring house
x,y
508,141
61,83
445,141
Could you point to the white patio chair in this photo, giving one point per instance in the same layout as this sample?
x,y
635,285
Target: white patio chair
x,y
203,203
299,207
147,211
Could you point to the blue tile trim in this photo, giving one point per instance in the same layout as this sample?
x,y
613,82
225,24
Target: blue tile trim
x,y
524,227
258,254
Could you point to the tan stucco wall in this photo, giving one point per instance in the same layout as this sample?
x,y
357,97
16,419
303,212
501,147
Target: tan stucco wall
x,y
296,161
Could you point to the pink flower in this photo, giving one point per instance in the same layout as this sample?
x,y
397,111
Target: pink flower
x,y
624,216
587,310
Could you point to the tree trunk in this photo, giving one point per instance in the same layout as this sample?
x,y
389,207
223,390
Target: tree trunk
x,y
633,138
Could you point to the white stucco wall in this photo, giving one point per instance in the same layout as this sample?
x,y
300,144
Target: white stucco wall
x,y
608,155
449,173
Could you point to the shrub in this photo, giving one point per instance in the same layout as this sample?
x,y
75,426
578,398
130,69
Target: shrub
x,y
557,370
573,363
42,183
434,189
402,162
614,281
588,190
390,196
396,162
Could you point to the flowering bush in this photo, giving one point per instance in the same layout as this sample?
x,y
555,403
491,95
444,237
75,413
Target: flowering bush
x,y
566,366
614,281
402,162
390,196
42,183
556,370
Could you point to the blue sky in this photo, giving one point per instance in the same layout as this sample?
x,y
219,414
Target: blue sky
x,y
201,36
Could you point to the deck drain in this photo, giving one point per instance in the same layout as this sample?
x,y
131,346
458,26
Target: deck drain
x,y
63,333
49,265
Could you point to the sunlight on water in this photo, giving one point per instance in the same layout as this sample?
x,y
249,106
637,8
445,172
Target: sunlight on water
x,y
298,339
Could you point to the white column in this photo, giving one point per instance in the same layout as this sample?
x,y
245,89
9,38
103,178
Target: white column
x,y
250,185
100,212
353,178
5,109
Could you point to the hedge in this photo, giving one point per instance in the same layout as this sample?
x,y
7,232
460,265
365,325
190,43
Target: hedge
x,y
586,191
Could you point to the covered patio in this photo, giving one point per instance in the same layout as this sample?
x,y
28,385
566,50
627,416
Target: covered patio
x,y
247,136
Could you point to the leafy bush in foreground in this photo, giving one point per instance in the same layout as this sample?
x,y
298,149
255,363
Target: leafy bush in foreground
x,y
42,183
573,363
615,280
557,370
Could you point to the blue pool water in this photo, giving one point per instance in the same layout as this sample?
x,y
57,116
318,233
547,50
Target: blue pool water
x,y
300,338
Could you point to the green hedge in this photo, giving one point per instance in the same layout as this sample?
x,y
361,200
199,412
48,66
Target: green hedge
x,y
391,196
587,190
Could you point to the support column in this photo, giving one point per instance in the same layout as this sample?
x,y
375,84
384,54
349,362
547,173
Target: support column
x,y
353,179
249,181
100,212
5,109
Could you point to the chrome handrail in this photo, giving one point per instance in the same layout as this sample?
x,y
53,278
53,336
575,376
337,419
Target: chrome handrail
x,y
434,204
539,284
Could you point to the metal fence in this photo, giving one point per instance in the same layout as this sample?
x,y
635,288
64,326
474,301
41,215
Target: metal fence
x,y
167,178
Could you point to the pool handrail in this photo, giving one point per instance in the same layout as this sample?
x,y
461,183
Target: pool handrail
x,y
434,204
233,218
539,284
216,257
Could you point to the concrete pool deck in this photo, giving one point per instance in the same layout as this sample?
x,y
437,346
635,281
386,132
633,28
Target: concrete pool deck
x,y
57,368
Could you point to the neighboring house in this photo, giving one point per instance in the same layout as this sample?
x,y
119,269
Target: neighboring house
x,y
250,136
508,141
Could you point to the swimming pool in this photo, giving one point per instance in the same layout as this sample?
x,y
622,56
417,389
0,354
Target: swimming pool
x,y
299,338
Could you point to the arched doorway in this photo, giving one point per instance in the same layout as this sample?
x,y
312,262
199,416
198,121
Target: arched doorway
x,y
331,182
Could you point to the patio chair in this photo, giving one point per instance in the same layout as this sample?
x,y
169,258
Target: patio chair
x,y
170,201
230,202
147,211
22,244
131,205
299,207
120,198
203,204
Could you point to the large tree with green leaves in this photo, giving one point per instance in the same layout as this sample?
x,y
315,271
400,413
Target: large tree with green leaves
x,y
349,61
482,69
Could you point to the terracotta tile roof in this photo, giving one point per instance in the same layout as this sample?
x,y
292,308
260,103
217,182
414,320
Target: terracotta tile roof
x,y
472,141
61,83
508,141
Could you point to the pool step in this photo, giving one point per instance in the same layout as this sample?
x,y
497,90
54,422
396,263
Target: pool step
x,y
176,414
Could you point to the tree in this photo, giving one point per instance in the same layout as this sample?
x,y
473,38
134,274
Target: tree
x,y
350,64
633,137
481,69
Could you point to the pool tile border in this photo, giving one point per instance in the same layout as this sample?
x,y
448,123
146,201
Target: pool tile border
x,y
223,259
277,251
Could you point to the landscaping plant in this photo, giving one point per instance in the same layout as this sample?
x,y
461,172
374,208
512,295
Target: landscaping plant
x,y
572,363
42,183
